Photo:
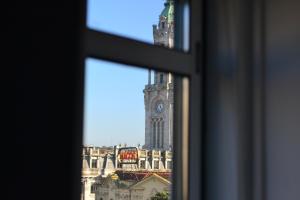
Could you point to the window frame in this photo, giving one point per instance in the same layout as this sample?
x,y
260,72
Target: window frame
x,y
187,142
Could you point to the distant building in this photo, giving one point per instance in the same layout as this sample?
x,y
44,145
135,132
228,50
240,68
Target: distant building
x,y
96,161
131,185
158,95
100,164
104,161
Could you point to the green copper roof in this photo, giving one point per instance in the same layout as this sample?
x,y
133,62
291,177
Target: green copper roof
x,y
168,11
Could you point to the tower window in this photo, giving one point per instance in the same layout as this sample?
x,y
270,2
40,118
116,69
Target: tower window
x,y
93,189
154,134
161,79
163,25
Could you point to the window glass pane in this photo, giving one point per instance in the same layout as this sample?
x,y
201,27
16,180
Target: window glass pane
x,y
143,20
128,132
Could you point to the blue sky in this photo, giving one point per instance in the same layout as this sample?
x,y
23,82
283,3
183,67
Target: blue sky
x,y
129,18
114,102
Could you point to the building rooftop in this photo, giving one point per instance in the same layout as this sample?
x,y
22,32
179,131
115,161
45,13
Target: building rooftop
x,y
140,175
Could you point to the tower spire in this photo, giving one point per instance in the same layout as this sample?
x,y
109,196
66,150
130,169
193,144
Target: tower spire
x,y
168,11
158,97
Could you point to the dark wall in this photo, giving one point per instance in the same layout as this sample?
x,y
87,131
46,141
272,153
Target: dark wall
x,y
46,38
228,100
282,100
252,137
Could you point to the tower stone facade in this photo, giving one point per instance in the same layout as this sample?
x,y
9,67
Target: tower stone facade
x,y
158,95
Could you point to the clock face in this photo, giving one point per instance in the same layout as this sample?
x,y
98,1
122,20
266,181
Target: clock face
x,y
159,107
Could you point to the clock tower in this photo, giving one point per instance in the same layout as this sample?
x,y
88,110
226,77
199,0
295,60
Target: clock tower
x,y
158,95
